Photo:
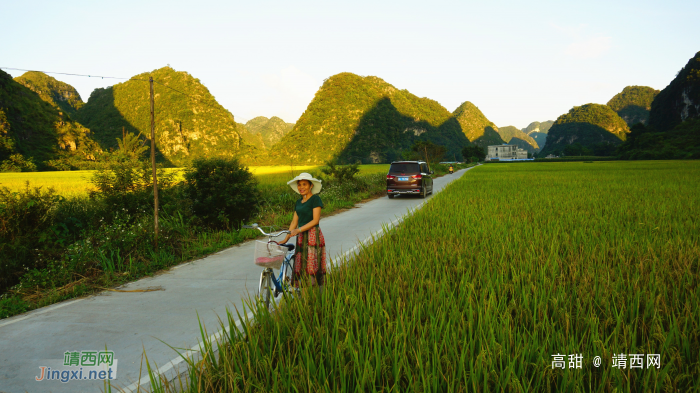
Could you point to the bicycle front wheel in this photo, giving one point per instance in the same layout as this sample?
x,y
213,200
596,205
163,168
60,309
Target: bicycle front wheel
x,y
266,289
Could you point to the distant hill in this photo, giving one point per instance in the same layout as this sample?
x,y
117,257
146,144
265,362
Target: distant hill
x,y
680,100
523,140
35,125
589,126
539,137
250,138
354,118
633,104
187,125
59,94
268,131
539,127
476,127
673,130
538,131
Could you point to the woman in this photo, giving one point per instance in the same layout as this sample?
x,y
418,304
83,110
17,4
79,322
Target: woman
x,y
310,259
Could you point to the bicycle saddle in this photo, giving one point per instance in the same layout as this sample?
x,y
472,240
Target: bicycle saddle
x,y
290,247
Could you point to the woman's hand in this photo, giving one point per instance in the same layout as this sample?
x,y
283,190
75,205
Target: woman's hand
x,y
295,221
295,232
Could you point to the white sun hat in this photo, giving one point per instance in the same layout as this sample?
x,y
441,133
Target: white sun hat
x,y
305,176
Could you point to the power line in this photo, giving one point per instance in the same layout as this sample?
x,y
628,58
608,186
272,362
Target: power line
x,y
114,77
65,73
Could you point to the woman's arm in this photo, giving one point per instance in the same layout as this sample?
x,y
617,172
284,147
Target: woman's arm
x,y
292,226
310,224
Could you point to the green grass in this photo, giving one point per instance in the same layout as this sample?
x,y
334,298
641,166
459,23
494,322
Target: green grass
x,y
476,291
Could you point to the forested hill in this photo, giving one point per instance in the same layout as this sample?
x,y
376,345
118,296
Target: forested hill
x,y
251,139
189,123
365,118
477,128
673,130
680,100
35,131
59,94
538,131
540,127
512,135
591,126
633,104
266,132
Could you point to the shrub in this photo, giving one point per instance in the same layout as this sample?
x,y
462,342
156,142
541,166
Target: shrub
x,y
26,218
223,192
126,185
341,172
17,163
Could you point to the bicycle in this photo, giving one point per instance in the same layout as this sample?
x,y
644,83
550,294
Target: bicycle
x,y
272,255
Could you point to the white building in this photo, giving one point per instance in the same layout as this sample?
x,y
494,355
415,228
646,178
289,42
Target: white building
x,y
506,152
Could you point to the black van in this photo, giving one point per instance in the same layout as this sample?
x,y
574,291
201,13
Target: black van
x,y
409,177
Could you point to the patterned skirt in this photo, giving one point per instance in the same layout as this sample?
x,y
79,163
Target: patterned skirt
x,y
310,259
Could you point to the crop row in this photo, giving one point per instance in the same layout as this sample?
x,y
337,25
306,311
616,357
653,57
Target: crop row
x,y
507,268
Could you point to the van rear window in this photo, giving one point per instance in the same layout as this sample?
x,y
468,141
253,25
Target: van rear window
x,y
404,168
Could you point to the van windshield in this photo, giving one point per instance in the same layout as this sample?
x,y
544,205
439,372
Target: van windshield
x,y
405,168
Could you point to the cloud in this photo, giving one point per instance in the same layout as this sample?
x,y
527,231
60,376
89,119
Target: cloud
x,y
589,48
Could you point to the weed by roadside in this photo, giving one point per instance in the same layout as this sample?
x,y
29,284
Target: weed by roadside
x,y
88,244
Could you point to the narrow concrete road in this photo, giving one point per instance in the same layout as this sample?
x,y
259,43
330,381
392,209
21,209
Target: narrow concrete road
x,y
129,323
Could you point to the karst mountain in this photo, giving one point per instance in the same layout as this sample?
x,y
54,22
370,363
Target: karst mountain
x,y
37,125
365,119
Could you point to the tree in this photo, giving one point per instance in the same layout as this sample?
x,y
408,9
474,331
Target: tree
x,y
429,151
224,193
473,153
131,147
577,149
341,172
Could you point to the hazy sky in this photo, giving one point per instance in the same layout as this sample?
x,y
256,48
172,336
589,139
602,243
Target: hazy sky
x,y
518,61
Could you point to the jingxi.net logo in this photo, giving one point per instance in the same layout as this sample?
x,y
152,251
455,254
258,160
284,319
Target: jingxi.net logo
x,y
81,366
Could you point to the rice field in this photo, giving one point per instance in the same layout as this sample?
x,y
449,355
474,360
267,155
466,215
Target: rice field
x,y
514,278
77,183
67,183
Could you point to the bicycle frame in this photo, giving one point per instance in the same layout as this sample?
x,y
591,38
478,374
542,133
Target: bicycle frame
x,y
279,282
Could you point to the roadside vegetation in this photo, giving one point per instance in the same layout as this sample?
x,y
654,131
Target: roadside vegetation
x,y
61,245
599,259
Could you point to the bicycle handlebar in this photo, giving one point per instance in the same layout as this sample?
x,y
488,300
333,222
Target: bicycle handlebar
x,y
256,226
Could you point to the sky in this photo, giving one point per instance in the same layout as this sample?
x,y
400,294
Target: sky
x,y
518,61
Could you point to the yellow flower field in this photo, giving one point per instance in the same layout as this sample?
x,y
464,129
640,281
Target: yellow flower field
x,y
74,183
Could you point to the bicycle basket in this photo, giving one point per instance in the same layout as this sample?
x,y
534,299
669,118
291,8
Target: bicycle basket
x,y
269,254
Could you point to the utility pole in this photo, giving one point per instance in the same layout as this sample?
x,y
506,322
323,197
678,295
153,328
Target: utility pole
x,y
425,148
153,165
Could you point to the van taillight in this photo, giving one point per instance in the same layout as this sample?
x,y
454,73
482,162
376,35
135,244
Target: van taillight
x,y
390,177
417,176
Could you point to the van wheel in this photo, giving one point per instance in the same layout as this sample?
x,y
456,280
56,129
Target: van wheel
x,y
391,196
423,192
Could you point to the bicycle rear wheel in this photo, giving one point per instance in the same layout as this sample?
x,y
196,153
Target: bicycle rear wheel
x,y
266,289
